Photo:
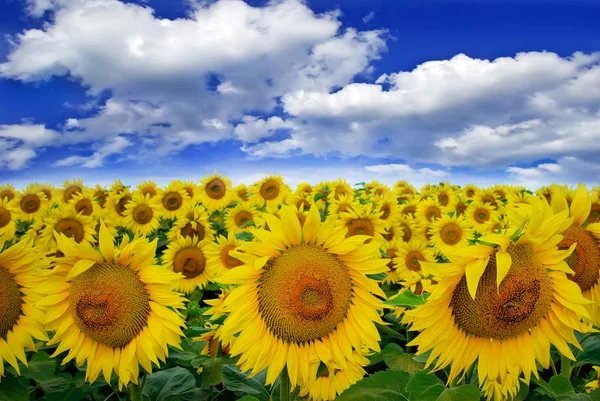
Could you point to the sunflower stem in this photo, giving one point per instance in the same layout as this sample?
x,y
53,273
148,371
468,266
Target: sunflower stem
x,y
135,392
565,366
553,367
284,386
219,350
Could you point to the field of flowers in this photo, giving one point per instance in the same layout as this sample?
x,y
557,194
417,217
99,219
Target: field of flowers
x,y
204,291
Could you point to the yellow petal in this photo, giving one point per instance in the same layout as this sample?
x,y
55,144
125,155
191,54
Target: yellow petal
x,y
107,246
473,271
312,224
503,263
581,205
80,267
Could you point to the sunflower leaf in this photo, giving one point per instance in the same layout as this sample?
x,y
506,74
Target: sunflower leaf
x,y
168,383
235,380
389,385
407,299
424,386
40,368
11,389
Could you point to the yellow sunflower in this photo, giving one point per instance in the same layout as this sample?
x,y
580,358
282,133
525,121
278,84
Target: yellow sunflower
x,y
303,297
594,384
142,213
219,261
65,221
84,203
70,187
304,189
585,261
49,190
194,222
445,195
341,187
8,191
503,305
409,261
270,192
332,382
377,188
488,196
9,212
187,257
363,220
116,204
404,193
32,205
469,191
409,208
342,205
100,195
192,190
238,218
241,193
21,274
216,192
480,216
104,216
450,232
594,216
114,308
148,187
299,200
117,186
429,210
388,207
173,200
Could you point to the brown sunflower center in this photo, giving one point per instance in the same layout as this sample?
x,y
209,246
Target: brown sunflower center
x,y
100,196
229,261
7,193
470,193
242,218
360,227
270,190
70,191
340,191
193,229
110,304
443,199
304,294
148,190
585,259
30,204
172,201
523,298
10,301
433,213
189,191
142,214
406,232
5,217
47,192
243,195
409,209
120,206
594,216
71,227
451,234
216,189
85,207
413,260
391,253
461,208
386,211
189,261
481,215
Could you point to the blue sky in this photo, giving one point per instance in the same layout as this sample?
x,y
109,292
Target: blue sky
x,y
460,91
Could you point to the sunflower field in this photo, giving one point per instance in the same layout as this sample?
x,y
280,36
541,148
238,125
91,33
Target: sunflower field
x,y
203,291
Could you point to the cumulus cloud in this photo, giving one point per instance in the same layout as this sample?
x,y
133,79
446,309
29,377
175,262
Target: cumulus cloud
x,y
114,146
564,170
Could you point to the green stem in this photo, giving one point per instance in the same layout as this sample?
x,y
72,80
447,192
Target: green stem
x,y
284,386
135,392
469,374
219,350
553,367
565,366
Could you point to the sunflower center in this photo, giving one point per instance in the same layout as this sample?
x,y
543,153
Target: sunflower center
x,y
70,191
407,232
120,206
100,196
84,207
413,260
5,217
148,190
269,190
443,199
142,214
70,227
482,216
10,302
386,212
409,209
432,213
523,298
451,234
340,191
360,227
470,193
391,253
189,261
47,192
585,259
461,208
242,218
30,203
172,201
216,189
193,229
7,193
594,216
229,261
304,294
243,195
109,304
489,199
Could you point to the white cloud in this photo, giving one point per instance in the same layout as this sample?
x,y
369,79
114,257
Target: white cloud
x,y
566,170
15,158
113,146
252,129
29,134
369,17
390,168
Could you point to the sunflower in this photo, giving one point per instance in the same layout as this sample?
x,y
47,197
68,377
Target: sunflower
x,y
409,260
65,221
409,208
194,222
594,216
187,257
585,261
70,187
488,196
480,216
21,275
241,193
363,220
332,382
148,187
303,297
458,206
342,205
49,190
142,213
216,192
445,195
112,308
219,261
377,188
216,305
388,207
594,384
8,191
238,218
117,186
192,190
390,248
100,195
429,210
341,187
503,304
450,232
32,205
116,204
469,191
547,192
173,200
9,212
104,216
404,193
304,189
270,192
299,200
320,195
84,203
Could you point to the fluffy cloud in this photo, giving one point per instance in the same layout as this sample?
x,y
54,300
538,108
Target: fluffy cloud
x,y
566,169
114,146
406,169
182,82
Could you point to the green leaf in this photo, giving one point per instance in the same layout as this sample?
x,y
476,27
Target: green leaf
x,y
590,353
57,384
404,362
560,385
387,330
41,367
391,352
244,236
468,392
249,223
235,380
212,372
248,398
12,390
424,386
407,299
320,195
388,385
377,277
167,383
